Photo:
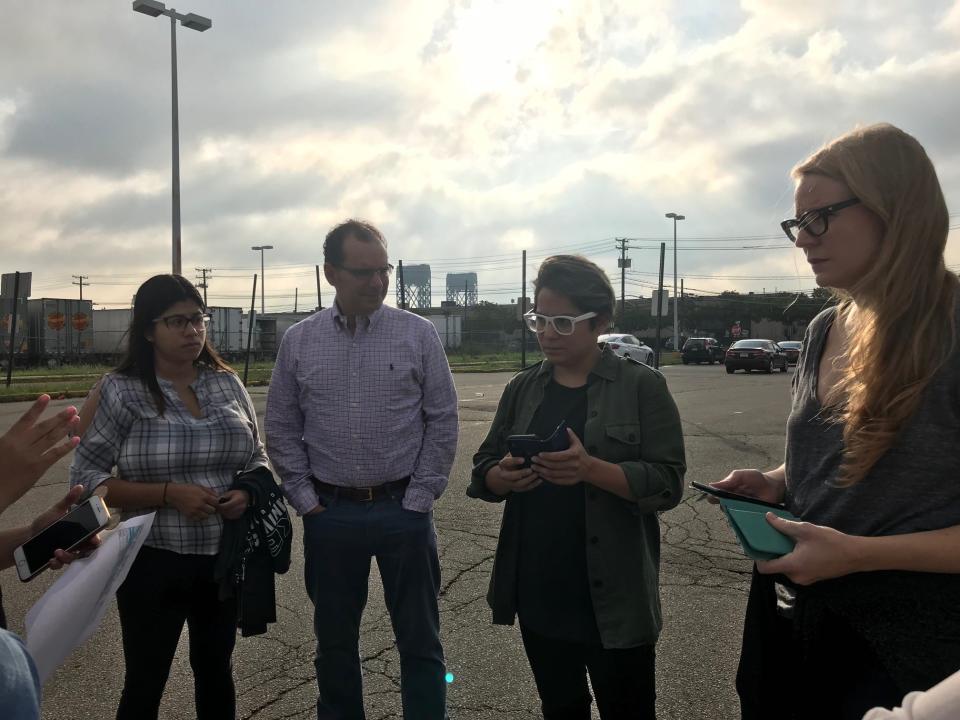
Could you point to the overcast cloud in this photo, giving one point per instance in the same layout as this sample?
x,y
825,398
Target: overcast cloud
x,y
468,130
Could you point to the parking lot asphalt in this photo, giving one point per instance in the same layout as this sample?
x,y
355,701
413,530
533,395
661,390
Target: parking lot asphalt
x,y
729,421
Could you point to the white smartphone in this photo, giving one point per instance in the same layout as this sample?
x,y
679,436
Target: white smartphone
x,y
73,529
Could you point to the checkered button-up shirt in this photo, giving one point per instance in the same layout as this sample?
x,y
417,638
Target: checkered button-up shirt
x,y
127,432
362,409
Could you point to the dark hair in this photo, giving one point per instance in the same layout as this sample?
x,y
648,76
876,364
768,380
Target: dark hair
x,y
152,299
579,280
359,229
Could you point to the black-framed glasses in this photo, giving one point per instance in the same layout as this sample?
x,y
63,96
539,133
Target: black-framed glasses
x,y
816,221
198,321
367,274
562,324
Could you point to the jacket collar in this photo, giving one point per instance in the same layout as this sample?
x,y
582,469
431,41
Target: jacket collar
x,y
607,367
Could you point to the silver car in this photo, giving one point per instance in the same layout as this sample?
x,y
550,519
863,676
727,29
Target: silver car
x,y
628,346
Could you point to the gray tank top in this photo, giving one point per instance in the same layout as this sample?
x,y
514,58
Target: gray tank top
x,y
914,486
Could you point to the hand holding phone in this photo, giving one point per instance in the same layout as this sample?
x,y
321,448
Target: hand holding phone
x,y
718,492
66,533
526,446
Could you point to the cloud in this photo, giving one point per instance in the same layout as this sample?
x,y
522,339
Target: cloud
x,y
466,130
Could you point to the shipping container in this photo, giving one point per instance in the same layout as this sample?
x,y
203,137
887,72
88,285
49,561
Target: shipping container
x,y
60,328
225,330
6,319
110,337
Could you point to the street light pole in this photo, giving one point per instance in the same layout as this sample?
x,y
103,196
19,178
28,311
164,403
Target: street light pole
x,y
263,277
200,24
175,147
676,312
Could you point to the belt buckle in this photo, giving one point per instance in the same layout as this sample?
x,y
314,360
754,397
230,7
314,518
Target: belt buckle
x,y
369,497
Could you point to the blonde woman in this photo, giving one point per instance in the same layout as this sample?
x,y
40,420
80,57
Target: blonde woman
x,y
867,606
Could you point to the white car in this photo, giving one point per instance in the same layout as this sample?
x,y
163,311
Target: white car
x,y
628,346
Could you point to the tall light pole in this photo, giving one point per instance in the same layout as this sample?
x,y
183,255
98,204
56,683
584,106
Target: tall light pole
x,y
194,22
263,278
676,312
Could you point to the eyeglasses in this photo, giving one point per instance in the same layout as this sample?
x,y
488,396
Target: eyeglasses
x,y
367,273
199,321
814,222
562,324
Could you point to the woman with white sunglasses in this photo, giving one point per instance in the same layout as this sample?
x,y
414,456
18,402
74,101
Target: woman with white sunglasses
x,y
579,548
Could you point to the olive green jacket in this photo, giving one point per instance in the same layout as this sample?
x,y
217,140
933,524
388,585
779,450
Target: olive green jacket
x,y
631,421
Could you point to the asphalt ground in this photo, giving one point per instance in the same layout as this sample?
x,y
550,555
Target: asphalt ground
x,y
730,421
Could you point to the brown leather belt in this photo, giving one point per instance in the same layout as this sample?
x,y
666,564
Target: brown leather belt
x,y
362,494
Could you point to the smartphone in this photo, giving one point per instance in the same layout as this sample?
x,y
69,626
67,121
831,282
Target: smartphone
x,y
526,446
73,529
717,492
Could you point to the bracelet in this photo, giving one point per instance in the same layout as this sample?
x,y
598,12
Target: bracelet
x,y
163,497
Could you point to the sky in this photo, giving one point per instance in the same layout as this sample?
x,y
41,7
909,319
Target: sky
x,y
467,130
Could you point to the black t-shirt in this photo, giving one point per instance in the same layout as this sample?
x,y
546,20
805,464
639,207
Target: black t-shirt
x,y
553,592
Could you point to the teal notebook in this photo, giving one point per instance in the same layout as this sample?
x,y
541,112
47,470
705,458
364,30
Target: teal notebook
x,y
759,540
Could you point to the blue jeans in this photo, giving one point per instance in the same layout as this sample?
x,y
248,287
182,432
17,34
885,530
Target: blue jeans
x,y
338,545
19,684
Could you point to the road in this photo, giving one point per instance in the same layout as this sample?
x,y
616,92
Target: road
x,y
729,421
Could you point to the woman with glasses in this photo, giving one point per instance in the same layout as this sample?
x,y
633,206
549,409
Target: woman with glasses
x,y
867,606
579,550
177,424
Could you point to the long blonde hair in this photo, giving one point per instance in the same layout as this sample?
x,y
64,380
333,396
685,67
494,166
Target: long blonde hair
x,y
901,327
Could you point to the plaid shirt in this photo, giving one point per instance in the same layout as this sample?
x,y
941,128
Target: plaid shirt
x,y
362,409
176,447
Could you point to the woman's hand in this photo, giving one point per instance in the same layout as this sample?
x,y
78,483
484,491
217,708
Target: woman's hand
x,y
507,476
233,503
62,557
753,483
565,467
195,502
821,552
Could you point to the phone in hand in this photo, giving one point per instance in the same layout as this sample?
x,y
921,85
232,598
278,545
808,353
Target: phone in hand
x,y
69,532
526,446
726,494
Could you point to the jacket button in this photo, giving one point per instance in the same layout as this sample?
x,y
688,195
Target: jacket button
x,y
598,583
631,437
665,493
592,449
594,540
593,413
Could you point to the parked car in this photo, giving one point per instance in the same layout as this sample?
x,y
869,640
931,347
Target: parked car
x,y
628,346
791,348
755,355
698,350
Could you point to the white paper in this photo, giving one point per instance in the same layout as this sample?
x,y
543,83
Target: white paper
x,y
71,610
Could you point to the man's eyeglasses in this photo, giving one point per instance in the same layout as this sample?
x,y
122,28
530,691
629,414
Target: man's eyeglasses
x,y
199,321
562,324
814,221
367,273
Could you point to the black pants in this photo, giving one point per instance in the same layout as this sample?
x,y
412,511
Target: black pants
x,y
623,680
162,590
840,678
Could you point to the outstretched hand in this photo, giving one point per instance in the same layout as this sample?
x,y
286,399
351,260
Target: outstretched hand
x,y
29,448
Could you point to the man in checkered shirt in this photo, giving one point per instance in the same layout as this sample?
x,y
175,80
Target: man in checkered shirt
x,y
362,426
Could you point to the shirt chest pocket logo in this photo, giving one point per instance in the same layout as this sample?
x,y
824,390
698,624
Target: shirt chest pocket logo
x,y
622,442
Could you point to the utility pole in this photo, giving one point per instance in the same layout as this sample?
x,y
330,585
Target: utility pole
x,y
203,281
402,295
623,263
80,279
296,290
523,310
319,297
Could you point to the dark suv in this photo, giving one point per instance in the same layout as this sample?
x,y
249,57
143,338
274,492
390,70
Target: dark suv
x,y
698,350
